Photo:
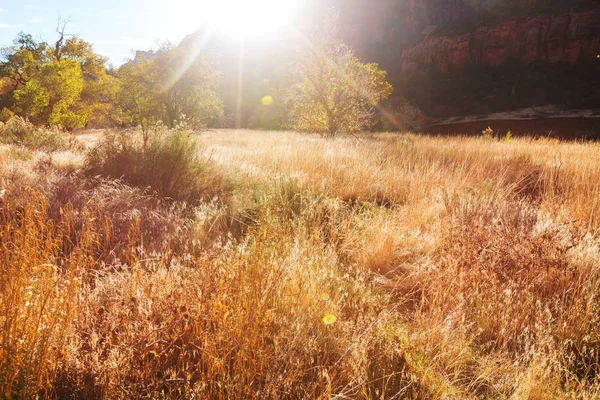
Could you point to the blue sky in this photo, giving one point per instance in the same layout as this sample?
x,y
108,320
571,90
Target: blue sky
x,y
114,27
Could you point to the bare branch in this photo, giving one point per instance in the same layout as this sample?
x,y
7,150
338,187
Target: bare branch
x,y
61,26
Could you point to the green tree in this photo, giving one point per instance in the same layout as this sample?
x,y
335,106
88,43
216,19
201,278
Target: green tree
x,y
137,94
52,96
64,84
96,98
19,63
334,91
167,85
189,86
23,60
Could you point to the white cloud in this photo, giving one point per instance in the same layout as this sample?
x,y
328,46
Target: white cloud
x,y
35,20
11,26
31,7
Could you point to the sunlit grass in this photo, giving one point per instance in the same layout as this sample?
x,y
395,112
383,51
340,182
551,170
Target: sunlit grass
x,y
383,266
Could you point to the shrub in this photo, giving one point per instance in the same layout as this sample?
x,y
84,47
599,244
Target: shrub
x,y
6,115
488,133
169,163
402,116
15,130
21,132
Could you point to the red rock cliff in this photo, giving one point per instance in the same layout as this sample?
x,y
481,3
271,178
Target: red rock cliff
x,y
564,38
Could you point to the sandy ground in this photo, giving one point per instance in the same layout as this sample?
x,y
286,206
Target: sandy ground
x,y
557,127
542,112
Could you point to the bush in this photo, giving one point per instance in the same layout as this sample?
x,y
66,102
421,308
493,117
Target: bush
x,y
169,163
6,115
401,115
21,132
488,133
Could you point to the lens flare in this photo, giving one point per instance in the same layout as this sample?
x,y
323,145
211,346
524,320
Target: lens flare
x,y
329,319
325,296
267,100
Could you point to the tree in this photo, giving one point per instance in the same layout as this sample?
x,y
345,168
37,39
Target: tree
x,y
62,84
22,61
52,96
189,86
96,98
19,63
334,91
137,92
167,85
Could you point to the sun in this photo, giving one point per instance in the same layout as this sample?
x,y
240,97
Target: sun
x,y
248,18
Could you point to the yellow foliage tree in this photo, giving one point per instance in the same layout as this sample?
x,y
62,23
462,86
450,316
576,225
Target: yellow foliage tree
x,y
66,84
334,91
51,97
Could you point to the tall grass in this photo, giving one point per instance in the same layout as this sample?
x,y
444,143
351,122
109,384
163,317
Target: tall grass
x,y
43,264
389,266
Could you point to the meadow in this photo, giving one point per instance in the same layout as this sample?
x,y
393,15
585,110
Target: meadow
x,y
287,265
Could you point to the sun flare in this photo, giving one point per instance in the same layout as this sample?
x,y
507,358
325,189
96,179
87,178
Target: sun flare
x,y
249,18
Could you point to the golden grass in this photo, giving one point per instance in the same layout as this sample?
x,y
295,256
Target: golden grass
x,y
454,267
43,264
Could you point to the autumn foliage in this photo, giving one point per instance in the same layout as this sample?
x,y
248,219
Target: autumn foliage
x,y
158,259
334,91
66,84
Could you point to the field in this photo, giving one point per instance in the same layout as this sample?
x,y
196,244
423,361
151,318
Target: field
x,y
376,266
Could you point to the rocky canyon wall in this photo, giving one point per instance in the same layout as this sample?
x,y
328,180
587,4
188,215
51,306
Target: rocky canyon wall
x,y
568,38
460,57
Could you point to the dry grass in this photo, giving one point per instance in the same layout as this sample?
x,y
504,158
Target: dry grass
x,y
455,268
170,164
